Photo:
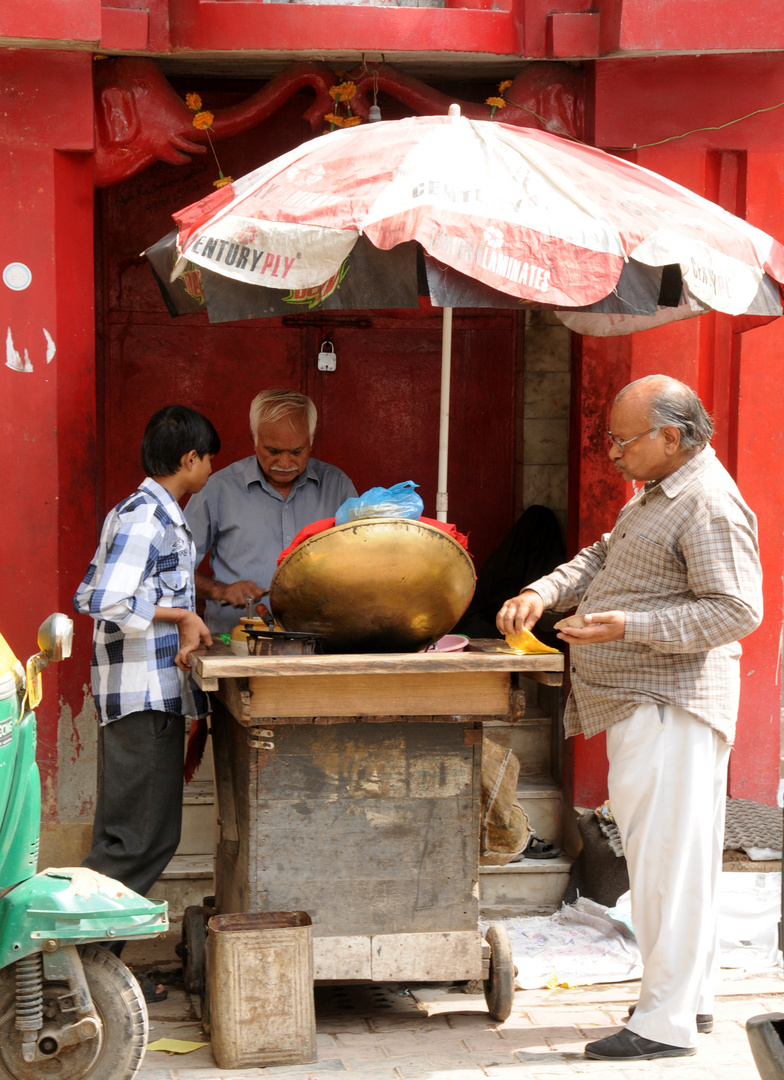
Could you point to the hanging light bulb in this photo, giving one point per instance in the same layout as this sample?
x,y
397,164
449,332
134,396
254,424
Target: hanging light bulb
x,y
374,113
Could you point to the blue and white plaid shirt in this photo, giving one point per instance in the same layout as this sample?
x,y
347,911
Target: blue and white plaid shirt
x,y
145,558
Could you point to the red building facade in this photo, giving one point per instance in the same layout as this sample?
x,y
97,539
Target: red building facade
x,y
98,149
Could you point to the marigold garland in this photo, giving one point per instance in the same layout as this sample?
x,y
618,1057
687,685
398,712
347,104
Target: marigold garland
x,y
342,93
202,121
498,102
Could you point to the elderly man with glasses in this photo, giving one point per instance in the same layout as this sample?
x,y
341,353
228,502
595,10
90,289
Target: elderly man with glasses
x,y
665,597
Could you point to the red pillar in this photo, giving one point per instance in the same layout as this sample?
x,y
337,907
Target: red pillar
x,y
754,765
739,378
48,411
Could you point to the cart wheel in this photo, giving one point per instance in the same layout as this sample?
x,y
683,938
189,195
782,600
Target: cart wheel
x,y
116,1051
499,985
193,950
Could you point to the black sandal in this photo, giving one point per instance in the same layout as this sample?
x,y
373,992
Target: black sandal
x,y
538,849
151,991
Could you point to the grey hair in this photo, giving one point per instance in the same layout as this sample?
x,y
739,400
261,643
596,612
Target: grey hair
x,y
272,405
674,404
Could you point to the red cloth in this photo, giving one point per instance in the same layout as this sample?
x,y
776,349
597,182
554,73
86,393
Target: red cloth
x,y
461,538
194,751
317,527
304,534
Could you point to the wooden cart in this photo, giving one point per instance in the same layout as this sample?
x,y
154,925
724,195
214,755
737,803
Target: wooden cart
x,y
349,787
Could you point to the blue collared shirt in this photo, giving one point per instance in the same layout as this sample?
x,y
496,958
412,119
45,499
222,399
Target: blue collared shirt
x,y
145,558
244,523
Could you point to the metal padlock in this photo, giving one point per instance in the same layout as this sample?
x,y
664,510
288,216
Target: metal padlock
x,y
327,361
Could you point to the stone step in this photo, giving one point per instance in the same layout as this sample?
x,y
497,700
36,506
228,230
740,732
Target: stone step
x,y
185,881
529,740
528,887
542,800
198,829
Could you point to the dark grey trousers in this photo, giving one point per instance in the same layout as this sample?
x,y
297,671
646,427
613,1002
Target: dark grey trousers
x,y
138,813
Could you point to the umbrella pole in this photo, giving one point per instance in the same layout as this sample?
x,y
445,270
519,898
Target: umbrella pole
x,y
442,498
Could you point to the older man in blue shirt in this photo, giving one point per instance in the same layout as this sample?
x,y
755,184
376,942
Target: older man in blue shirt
x,y
249,512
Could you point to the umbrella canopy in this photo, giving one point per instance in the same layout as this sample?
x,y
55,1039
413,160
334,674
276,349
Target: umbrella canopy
x,y
505,216
477,214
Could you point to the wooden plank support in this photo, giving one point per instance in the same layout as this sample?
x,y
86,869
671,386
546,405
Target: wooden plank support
x,y
439,957
341,958
484,693
426,957
546,678
218,662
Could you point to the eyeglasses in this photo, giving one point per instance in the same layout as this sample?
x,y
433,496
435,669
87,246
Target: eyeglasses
x,y
623,443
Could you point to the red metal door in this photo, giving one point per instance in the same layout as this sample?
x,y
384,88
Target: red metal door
x,y
381,411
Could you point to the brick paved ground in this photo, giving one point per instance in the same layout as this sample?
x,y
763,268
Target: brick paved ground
x,y
383,1033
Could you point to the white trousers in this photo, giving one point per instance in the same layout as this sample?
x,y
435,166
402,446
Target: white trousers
x,y
667,784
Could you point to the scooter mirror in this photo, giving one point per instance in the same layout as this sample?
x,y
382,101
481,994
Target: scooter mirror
x,y
55,636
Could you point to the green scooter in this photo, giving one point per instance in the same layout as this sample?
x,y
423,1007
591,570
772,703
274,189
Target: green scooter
x,y
69,1008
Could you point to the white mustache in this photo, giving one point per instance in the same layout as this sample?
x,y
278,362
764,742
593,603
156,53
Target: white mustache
x,y
277,468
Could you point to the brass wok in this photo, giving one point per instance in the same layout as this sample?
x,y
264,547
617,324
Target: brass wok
x,y
375,585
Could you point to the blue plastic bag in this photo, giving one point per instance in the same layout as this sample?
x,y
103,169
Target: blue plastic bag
x,y
398,501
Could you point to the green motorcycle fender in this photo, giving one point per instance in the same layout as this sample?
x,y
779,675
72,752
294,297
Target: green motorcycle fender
x,y
70,907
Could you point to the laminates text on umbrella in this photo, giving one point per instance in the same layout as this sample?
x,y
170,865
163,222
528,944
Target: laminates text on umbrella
x,y
490,258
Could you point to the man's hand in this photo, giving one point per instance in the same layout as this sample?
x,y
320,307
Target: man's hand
x,y
236,594
520,612
193,633
599,627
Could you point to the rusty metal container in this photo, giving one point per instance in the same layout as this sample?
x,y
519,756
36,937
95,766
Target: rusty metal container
x,y
260,986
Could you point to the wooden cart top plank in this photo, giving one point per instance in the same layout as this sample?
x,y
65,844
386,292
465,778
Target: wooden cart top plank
x,y
219,662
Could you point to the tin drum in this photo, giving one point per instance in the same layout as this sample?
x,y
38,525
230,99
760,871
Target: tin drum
x,y
375,585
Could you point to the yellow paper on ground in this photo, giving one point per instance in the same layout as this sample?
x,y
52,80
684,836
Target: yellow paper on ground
x,y
176,1046
525,642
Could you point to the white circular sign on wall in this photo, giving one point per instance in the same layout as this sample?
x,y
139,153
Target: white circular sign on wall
x,y
17,276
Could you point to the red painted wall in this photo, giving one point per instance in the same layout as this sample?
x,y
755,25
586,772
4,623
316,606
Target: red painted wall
x,y
739,377
47,419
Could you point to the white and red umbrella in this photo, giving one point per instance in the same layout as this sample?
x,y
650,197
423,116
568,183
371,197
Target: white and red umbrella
x,y
505,216
531,215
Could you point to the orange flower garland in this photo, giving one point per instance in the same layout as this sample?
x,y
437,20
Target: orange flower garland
x,y
498,102
342,93
202,121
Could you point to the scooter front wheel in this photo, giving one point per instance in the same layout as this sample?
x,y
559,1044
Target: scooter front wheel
x,y
115,1053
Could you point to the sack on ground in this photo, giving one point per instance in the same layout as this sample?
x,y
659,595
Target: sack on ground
x,y
505,827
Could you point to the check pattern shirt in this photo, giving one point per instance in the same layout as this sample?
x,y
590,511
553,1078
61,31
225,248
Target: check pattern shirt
x,y
683,564
145,558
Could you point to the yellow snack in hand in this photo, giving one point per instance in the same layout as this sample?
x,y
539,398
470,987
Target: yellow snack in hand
x,y
525,642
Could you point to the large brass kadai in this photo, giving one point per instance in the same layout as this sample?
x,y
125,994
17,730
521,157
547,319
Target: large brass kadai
x,y
375,585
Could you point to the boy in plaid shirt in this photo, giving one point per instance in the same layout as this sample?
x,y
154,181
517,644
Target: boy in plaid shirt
x,y
139,590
